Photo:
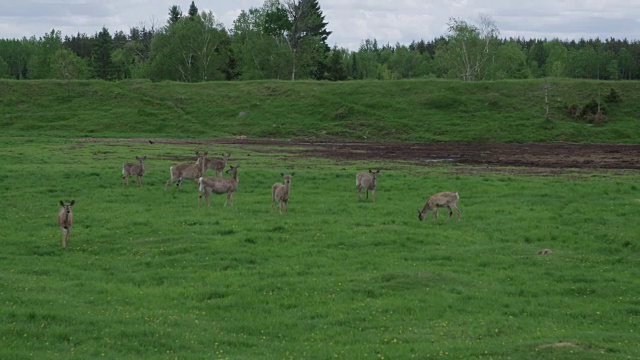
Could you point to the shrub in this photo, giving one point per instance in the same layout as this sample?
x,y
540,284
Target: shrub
x,y
612,97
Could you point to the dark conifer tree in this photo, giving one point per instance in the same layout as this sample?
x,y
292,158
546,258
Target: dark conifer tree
x,y
102,48
175,14
193,10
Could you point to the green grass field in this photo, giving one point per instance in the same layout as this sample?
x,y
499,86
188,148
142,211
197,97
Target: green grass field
x,y
412,110
148,275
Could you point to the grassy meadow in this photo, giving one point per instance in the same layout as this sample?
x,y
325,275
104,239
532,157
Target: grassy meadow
x,y
411,110
148,275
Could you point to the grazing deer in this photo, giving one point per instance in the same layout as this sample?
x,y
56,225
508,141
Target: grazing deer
x,y
443,199
218,164
130,169
367,182
187,171
65,220
280,192
219,185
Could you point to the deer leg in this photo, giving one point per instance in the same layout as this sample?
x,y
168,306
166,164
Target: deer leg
x,y
359,193
435,212
459,213
373,195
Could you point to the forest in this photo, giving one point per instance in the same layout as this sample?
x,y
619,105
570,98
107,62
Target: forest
x,y
287,39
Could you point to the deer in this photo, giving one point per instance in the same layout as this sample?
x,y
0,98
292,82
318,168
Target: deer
x,y
439,200
280,192
219,185
217,164
187,171
367,181
130,169
65,221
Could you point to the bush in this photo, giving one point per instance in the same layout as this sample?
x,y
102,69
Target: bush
x,y
612,97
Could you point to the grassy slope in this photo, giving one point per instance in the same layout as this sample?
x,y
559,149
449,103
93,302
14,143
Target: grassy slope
x,y
425,110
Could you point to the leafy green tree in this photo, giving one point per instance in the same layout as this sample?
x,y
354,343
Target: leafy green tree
x,y
16,53
191,50
5,72
336,69
509,62
468,48
536,59
368,55
122,61
39,64
258,43
557,57
406,63
626,64
66,65
102,60
583,63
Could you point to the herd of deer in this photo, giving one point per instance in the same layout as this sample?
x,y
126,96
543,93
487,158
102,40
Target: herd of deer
x,y
221,185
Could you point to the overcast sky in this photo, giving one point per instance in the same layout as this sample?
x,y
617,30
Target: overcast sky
x,y
351,21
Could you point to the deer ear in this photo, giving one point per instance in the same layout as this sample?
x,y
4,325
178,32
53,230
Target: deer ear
x,y
61,202
377,171
144,158
72,202
281,174
293,173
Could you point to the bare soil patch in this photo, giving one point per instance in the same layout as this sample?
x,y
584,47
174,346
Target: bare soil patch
x,y
532,155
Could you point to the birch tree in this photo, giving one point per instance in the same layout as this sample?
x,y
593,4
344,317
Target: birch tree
x,y
468,48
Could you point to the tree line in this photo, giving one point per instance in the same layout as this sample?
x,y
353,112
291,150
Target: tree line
x,y
287,39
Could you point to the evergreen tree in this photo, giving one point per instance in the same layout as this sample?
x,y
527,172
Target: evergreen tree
x,y
175,14
102,63
193,10
318,27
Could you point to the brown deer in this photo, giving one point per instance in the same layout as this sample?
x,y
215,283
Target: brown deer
x,y
367,181
443,199
280,192
130,169
217,164
219,185
65,220
187,171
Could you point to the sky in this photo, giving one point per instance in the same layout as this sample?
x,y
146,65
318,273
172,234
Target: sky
x,y
350,21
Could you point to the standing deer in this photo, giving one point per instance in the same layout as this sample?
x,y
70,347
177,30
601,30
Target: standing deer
x,y
130,169
443,199
219,185
280,192
187,171
367,182
65,220
217,164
